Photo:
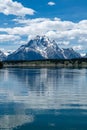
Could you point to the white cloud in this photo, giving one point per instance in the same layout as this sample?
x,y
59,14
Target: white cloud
x,y
66,33
51,3
9,7
8,38
41,26
82,39
6,52
78,47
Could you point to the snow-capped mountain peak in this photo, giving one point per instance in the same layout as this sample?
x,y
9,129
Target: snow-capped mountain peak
x,y
39,41
41,47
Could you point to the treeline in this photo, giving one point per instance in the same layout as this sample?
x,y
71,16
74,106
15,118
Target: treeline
x,y
81,62
1,64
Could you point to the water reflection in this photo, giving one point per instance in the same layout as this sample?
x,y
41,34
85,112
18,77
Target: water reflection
x,y
8,122
26,95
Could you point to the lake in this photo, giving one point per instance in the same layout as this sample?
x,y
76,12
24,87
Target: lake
x,y
43,99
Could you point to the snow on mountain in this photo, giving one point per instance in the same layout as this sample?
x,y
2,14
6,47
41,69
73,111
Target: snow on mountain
x,y
2,56
42,48
8,52
84,55
71,54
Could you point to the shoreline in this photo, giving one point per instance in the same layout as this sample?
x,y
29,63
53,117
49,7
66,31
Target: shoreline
x,y
72,63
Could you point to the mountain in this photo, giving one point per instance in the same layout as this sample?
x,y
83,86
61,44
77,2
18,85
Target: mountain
x,y
71,54
8,52
42,48
85,56
2,56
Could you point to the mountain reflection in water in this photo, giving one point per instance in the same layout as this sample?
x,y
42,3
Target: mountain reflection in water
x,y
43,99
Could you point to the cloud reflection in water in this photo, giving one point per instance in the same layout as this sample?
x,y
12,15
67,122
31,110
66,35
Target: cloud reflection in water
x,y
28,92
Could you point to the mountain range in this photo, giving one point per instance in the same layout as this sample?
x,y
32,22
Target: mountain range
x,y
41,47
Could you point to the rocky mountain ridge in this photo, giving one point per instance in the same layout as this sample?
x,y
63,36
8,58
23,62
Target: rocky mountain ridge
x,y
41,48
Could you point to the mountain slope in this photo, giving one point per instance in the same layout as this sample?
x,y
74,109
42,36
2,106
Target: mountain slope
x,y
2,56
71,54
42,48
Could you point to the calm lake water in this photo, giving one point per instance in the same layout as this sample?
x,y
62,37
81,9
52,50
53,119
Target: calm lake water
x,y
43,99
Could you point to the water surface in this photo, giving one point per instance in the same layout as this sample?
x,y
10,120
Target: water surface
x,y
43,99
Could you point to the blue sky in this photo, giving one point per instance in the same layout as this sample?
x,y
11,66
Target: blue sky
x,y
62,20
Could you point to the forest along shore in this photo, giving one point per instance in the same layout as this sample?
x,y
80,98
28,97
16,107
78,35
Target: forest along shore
x,y
1,65
48,63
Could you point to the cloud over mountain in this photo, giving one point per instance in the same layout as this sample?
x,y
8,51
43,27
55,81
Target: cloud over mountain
x,y
66,33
